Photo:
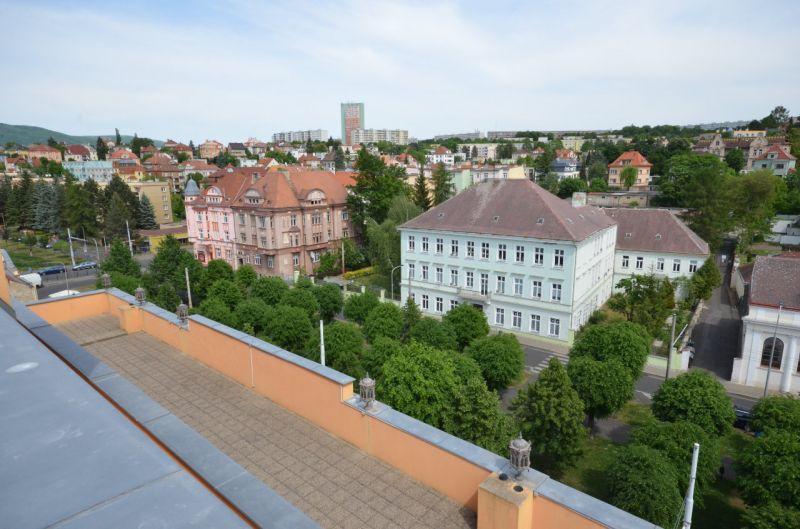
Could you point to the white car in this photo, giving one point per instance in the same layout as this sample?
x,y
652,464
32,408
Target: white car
x,y
63,293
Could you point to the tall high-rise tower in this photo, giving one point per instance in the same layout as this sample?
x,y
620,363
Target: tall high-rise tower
x,y
352,118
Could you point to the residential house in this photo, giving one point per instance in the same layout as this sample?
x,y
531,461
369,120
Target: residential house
x,y
310,161
573,142
123,156
329,161
38,151
481,173
655,241
237,150
778,159
566,164
278,220
480,151
533,263
171,173
79,153
770,336
710,143
101,171
197,166
268,162
160,196
130,173
630,159
210,149
441,155
749,133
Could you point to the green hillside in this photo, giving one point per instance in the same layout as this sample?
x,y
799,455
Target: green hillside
x,y
26,134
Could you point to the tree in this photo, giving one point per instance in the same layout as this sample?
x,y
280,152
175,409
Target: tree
x,y
696,397
46,215
421,195
705,280
477,417
120,260
146,217
411,315
754,196
167,298
500,357
550,414
253,312
550,182
604,387
117,138
178,206
434,333
101,148
169,265
118,218
217,310
302,298
777,412
376,185
468,322
769,470
597,171
79,213
771,516
626,342
420,381
735,159
227,291
386,319
344,347
245,276
381,350
646,300
126,283
569,186
642,481
329,298
269,289
289,327
442,184
339,161
628,176
402,209
598,185
358,307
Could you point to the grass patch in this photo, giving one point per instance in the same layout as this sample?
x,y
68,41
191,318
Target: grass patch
x,y
37,257
735,443
588,474
634,414
722,507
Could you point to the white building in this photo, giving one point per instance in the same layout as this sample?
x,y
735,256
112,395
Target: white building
x,y
397,136
769,283
531,261
655,241
300,135
441,155
481,151
101,171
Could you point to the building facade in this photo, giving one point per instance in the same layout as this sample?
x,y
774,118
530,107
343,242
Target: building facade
x,y
530,261
777,159
630,159
363,136
101,171
210,149
159,195
277,220
352,115
300,135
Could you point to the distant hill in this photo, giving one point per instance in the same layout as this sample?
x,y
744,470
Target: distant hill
x,y
26,134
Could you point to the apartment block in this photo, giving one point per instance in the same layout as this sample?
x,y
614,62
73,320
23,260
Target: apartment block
x,y
300,135
159,195
362,136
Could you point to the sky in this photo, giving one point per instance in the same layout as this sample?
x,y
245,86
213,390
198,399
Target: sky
x,y
235,69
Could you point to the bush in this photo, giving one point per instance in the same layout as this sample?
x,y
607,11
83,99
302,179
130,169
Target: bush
x,y
124,282
384,320
468,323
302,298
769,470
771,516
696,397
269,289
627,342
355,274
434,333
358,307
777,412
604,387
329,298
381,350
226,291
245,276
344,348
500,357
167,298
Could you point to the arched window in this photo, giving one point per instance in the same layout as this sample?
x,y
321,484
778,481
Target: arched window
x,y
766,352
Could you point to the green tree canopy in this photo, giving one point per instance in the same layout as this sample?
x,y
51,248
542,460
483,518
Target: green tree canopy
x,y
500,357
216,309
626,342
167,298
358,307
696,397
145,215
777,412
421,194
771,516
269,289
628,176
468,322
302,298
442,184
226,291
120,260
170,262
735,159
477,417
253,312
568,186
603,386
411,315
245,276
434,333
289,327
386,319
329,298
769,470
381,350
646,300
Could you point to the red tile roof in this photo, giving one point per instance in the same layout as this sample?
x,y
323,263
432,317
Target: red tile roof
x,y
634,157
36,147
775,149
78,150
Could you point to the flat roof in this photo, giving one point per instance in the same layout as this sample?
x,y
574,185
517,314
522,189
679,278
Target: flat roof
x,y
70,458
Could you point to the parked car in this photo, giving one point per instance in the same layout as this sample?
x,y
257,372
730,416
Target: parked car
x,y
86,265
743,418
50,270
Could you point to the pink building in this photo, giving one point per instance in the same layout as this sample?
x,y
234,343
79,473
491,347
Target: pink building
x,y
278,220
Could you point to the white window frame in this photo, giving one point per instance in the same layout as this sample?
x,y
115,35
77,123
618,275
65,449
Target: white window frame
x,y
502,252
519,256
558,258
556,291
439,304
516,319
536,289
439,246
484,250
536,323
626,261
555,323
454,247
499,316
411,270
519,286
538,256
500,284
470,281
470,249
412,243
639,263
676,265
425,244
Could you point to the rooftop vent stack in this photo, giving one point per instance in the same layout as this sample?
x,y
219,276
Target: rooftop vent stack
x,y
140,297
366,389
105,280
519,454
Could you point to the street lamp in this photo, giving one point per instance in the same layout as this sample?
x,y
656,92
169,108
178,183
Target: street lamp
x,y
391,279
772,350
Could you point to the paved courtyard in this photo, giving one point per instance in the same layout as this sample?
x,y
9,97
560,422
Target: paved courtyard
x,y
333,482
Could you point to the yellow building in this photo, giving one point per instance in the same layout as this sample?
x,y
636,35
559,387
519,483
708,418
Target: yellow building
x,y
153,238
159,195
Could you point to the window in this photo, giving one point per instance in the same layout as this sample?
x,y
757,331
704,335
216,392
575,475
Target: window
x,y
296,259
228,254
470,279
692,266
263,242
424,244
439,274
501,284
257,260
270,261
660,264
536,289
439,245
520,255
516,319
518,286
555,326
470,249
639,263
453,304
411,270
538,256
626,260
558,259
676,265
484,250
293,221
411,243
424,272
243,236
345,215
501,252
555,292
439,304
316,218
484,284
766,352
454,278
241,219
425,302
499,316
536,323
454,248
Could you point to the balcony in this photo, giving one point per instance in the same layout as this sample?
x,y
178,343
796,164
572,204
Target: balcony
x,y
474,295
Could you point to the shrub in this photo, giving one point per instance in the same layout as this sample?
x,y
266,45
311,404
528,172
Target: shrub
x,y
330,300
302,298
289,327
355,274
269,289
500,357
696,397
627,342
358,307
434,333
226,291
777,412
468,323
217,310
384,320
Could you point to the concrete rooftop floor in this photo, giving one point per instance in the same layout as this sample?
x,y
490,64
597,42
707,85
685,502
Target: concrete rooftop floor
x,y
334,483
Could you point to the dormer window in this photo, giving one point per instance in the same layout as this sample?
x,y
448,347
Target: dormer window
x,y
658,236
628,235
540,220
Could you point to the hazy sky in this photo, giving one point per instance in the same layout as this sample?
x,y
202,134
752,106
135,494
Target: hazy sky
x,y
235,69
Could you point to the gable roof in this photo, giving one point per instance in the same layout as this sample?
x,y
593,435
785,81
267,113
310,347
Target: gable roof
x,y
517,208
655,230
634,157
775,280
775,149
78,150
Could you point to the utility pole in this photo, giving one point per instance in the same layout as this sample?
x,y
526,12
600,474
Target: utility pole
x,y
321,343
128,229
96,249
772,350
71,253
689,505
188,286
671,344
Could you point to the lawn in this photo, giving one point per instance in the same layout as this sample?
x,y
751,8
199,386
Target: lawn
x,y
37,257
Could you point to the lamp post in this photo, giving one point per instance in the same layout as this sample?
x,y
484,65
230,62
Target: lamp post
x,y
772,349
519,454
391,279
